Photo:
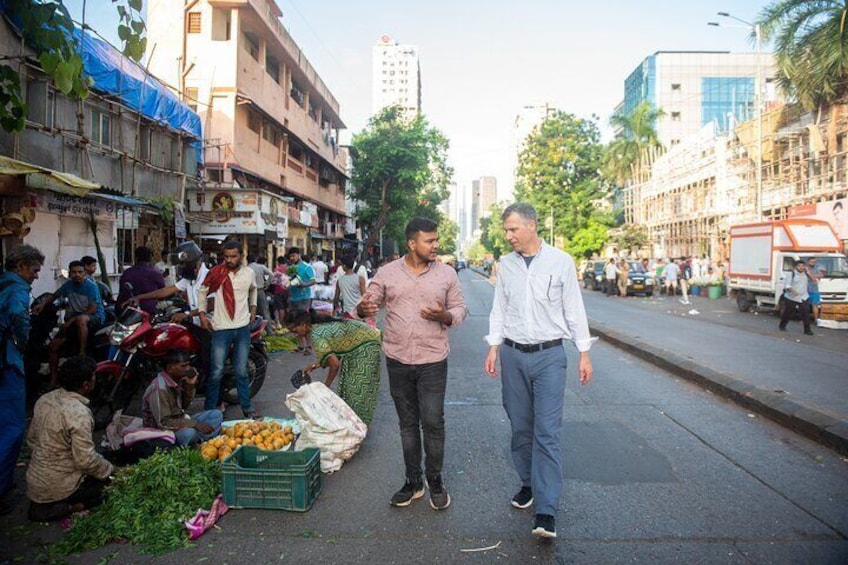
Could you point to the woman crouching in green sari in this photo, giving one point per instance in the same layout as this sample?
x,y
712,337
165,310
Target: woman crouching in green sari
x,y
351,349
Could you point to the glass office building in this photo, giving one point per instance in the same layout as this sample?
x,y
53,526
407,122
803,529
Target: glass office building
x,y
696,88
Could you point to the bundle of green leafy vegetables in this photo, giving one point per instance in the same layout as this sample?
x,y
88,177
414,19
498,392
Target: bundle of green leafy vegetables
x,y
275,343
147,504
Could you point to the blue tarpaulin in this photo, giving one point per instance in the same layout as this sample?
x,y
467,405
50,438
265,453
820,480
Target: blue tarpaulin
x,y
115,74
118,76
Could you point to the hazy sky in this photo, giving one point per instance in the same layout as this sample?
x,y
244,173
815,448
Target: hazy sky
x,y
481,61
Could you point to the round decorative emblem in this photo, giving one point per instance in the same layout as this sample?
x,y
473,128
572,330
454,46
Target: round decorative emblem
x,y
223,206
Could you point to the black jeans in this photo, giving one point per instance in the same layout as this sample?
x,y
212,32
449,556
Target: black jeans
x,y
419,395
789,307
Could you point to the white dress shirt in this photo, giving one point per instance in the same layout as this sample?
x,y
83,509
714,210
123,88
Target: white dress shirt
x,y
538,303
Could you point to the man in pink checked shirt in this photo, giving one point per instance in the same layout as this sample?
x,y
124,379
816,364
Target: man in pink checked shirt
x,y
423,299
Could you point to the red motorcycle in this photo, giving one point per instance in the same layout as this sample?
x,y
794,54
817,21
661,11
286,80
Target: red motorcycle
x,y
139,345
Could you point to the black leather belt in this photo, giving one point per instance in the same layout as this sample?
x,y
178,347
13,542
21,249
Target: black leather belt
x,y
533,347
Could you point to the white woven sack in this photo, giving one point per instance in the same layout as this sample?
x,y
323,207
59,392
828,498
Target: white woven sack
x,y
328,423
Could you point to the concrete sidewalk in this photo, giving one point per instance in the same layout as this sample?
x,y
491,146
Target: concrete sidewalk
x,y
800,382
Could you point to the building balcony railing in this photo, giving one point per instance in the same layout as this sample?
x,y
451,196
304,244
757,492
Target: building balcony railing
x,y
270,17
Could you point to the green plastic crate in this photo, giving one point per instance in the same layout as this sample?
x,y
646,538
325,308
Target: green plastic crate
x,y
277,480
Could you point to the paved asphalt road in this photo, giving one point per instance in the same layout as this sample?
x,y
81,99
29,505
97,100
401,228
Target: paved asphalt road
x,y
657,470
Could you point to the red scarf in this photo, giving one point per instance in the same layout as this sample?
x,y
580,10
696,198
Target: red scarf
x,y
219,278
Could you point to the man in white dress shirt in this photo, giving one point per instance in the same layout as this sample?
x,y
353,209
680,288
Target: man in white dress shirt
x,y
537,306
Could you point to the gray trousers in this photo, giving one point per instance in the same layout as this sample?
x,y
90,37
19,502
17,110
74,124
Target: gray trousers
x,y
262,305
533,391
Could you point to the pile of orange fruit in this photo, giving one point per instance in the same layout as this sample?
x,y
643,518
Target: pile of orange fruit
x,y
270,436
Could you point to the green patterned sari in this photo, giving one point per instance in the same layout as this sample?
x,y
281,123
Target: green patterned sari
x,y
357,345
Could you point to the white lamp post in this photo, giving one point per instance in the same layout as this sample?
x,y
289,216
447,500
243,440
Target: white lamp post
x,y
758,103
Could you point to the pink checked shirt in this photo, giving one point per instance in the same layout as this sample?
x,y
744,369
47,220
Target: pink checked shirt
x,y
407,337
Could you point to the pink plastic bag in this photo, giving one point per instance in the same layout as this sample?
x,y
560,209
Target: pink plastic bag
x,y
205,519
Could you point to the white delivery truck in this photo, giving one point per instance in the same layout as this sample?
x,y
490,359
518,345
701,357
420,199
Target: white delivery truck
x,y
762,254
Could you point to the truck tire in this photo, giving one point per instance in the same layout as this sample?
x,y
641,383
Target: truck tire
x,y
743,302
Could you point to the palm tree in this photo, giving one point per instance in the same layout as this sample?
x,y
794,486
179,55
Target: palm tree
x,y
636,138
811,48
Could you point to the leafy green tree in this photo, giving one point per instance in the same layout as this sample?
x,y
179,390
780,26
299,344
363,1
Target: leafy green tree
x,y
811,48
47,28
559,170
448,232
637,134
399,171
476,253
492,236
588,240
631,237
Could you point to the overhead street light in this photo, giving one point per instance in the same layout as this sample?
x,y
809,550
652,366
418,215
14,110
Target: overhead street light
x,y
758,103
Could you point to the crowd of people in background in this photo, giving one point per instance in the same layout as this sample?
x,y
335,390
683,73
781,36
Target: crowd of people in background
x,y
671,276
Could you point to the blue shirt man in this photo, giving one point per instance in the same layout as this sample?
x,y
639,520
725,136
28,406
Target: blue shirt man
x,y
83,316
22,267
81,296
301,290
814,275
300,293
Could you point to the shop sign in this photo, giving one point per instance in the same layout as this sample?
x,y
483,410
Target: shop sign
x,y
74,206
179,222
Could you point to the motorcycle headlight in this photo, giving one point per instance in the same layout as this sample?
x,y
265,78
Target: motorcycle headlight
x,y
599,278
649,281
120,332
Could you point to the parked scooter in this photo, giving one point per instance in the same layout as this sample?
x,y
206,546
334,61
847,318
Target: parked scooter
x,y
141,345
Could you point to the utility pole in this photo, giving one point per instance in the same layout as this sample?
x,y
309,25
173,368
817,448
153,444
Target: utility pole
x,y
758,102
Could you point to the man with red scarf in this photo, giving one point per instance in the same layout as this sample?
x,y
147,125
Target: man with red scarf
x,y
234,286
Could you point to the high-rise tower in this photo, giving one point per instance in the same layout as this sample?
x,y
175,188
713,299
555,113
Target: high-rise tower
x,y
396,76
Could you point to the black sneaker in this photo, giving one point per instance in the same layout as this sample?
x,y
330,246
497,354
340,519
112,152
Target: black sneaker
x,y
410,491
545,526
523,498
439,497
808,332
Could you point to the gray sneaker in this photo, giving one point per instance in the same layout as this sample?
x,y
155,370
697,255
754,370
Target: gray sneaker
x,y
439,497
410,491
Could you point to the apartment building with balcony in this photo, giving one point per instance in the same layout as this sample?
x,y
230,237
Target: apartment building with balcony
x,y
275,173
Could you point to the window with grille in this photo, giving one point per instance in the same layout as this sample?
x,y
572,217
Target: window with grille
x,y
101,124
193,22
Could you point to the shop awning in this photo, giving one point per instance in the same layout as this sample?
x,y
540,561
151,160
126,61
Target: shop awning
x,y
127,201
47,179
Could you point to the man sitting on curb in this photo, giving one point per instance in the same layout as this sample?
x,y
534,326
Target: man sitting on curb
x,y
166,398
66,474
